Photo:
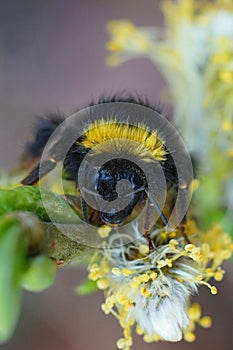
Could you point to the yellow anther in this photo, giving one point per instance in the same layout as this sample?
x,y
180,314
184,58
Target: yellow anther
x,y
189,337
199,278
135,283
227,125
209,272
131,321
122,300
103,283
213,290
106,309
189,247
122,343
110,301
173,242
127,332
116,271
153,275
205,322
94,267
156,337
179,279
218,276
104,231
113,46
161,264
172,234
226,76
93,276
145,277
195,254
163,235
139,331
126,272
148,339
123,322
169,262
144,249
105,268
144,292
194,312
220,57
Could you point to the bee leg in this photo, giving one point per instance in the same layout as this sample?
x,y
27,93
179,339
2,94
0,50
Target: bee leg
x,y
147,226
182,230
152,204
84,210
39,171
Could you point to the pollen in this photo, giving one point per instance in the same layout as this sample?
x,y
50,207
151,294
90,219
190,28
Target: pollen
x,y
144,292
135,283
153,275
195,312
189,247
104,231
137,287
167,235
209,272
199,278
179,279
226,76
122,300
126,272
205,322
116,271
144,249
195,254
177,269
148,339
94,272
161,264
213,290
123,343
173,242
145,277
139,331
102,283
106,309
227,125
189,337
169,262
218,276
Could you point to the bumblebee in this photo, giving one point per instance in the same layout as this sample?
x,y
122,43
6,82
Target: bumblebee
x,y
121,142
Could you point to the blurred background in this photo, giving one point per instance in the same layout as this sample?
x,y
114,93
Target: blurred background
x,y
52,58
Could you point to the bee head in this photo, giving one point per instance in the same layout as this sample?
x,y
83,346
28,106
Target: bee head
x,y
120,181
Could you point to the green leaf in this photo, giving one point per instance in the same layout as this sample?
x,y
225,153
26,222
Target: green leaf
x,y
40,275
34,199
87,287
13,249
